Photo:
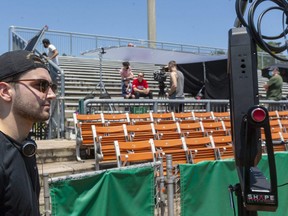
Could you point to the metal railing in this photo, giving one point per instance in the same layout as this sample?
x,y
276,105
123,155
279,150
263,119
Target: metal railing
x,y
73,44
164,105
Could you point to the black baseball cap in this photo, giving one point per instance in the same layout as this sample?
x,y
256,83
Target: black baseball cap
x,y
19,61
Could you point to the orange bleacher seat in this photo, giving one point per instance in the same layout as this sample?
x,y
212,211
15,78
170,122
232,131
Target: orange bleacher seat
x,y
224,143
283,114
224,116
227,125
203,116
103,138
215,128
226,152
85,121
174,147
184,117
164,118
203,154
199,142
278,141
141,118
284,124
220,141
273,114
191,130
132,152
168,131
275,126
201,149
140,132
114,119
84,138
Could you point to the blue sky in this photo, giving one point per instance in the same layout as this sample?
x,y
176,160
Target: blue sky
x,y
195,22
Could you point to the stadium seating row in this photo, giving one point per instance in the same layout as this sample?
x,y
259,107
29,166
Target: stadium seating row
x,y
132,118
183,150
88,133
101,137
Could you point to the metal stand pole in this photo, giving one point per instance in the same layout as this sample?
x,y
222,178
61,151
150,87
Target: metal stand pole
x,y
46,195
162,187
170,184
101,85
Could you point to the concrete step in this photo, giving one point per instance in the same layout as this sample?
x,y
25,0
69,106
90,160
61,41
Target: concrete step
x,y
57,158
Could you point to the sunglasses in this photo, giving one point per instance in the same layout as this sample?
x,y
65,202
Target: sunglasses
x,y
42,84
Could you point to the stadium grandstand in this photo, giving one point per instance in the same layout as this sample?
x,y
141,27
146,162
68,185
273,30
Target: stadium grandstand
x,y
104,155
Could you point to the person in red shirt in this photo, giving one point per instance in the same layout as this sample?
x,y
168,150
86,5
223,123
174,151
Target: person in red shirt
x,y
141,88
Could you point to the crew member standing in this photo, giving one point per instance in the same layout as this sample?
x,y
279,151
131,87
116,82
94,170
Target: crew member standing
x,y
274,86
176,87
52,51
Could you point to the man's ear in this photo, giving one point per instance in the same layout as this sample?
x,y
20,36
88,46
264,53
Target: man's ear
x,y
5,91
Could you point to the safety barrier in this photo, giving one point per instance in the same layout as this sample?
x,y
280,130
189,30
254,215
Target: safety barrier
x,y
164,105
188,189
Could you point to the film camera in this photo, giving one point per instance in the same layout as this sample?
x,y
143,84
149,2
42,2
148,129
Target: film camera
x,y
160,76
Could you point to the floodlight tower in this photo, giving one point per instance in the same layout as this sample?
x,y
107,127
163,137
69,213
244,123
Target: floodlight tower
x,y
151,13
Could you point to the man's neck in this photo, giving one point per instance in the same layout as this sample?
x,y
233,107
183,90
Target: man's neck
x,y
17,131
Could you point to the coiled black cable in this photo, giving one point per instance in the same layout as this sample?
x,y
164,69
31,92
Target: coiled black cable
x,y
256,32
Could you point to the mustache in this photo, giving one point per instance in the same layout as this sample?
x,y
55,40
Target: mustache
x,y
45,103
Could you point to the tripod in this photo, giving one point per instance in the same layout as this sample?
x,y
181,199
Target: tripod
x,y
103,92
161,93
101,85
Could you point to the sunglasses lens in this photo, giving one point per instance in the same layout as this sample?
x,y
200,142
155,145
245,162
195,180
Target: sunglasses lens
x,y
44,86
54,87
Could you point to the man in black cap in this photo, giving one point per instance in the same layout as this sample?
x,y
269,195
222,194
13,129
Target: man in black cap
x,y
26,92
274,86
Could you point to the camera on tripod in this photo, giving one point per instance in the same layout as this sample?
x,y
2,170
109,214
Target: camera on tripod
x,y
160,76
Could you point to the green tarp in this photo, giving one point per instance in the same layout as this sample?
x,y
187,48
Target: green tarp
x,y
204,191
204,187
111,193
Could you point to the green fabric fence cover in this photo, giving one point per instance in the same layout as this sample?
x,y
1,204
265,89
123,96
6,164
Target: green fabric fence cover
x,y
111,193
204,187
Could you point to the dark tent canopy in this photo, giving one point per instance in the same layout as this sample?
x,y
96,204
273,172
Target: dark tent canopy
x,y
211,74
283,69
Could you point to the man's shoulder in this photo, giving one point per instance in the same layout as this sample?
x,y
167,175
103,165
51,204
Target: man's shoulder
x,y
52,47
280,77
277,78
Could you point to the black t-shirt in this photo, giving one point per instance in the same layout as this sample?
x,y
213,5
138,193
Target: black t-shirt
x,y
19,181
